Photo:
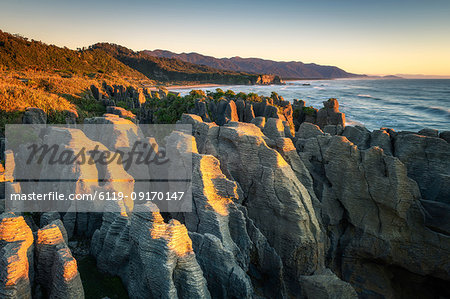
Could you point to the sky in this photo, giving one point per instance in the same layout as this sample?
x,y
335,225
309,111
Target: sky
x,y
365,37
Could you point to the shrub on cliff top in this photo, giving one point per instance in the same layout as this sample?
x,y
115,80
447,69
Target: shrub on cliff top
x,y
309,110
196,93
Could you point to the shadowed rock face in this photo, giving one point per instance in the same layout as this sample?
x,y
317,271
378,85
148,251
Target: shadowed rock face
x,y
225,239
373,214
428,162
34,116
325,284
278,204
269,219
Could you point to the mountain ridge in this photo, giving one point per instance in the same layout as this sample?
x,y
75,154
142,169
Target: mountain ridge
x,y
284,69
167,69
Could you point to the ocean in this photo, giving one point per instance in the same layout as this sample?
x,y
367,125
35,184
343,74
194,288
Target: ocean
x,y
401,104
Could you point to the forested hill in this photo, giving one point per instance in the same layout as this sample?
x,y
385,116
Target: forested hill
x,y
286,70
172,69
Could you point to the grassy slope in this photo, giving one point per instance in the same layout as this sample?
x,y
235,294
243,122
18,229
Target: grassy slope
x,y
34,74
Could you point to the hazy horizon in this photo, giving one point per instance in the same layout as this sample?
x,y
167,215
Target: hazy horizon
x,y
406,37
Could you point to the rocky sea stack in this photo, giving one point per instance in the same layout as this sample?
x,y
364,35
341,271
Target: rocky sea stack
x,y
288,202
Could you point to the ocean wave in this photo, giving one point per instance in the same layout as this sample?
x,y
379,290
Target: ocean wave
x,y
349,122
433,110
368,96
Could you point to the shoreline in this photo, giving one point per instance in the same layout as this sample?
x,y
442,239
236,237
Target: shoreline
x,y
184,86
188,86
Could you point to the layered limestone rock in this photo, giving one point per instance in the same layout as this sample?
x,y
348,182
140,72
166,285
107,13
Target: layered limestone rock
x,y
113,131
123,136
152,257
364,139
225,240
111,245
308,130
56,269
226,110
425,155
111,94
79,178
162,256
373,216
330,115
16,257
272,194
121,112
325,284
428,162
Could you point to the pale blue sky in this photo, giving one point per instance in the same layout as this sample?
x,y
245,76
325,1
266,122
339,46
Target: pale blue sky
x,y
375,37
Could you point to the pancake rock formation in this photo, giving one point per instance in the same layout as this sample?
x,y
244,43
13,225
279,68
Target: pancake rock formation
x,y
287,202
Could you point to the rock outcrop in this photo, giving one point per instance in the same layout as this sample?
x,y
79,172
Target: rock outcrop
x,y
427,160
16,257
121,112
225,239
163,257
151,256
226,110
373,216
272,194
325,284
34,116
330,115
56,269
325,212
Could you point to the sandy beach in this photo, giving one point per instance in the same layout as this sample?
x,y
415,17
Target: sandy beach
x,y
193,86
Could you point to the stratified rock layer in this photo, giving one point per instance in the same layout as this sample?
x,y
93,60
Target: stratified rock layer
x,y
16,257
152,257
277,202
373,216
56,269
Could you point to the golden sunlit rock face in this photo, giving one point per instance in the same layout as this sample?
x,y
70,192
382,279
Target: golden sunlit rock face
x,y
16,240
51,235
174,233
69,267
15,229
211,175
56,269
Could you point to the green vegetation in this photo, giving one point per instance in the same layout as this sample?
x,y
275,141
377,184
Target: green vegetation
x,y
18,53
58,80
169,69
96,284
170,109
309,110
197,93
54,79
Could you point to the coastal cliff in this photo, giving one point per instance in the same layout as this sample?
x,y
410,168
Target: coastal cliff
x,y
288,202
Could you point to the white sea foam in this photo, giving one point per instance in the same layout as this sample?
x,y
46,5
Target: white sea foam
x,y
349,122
